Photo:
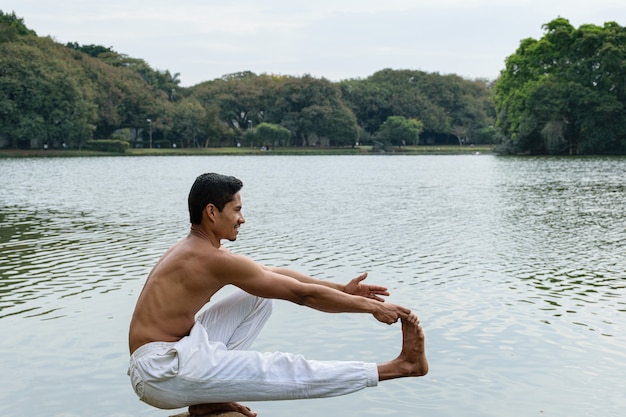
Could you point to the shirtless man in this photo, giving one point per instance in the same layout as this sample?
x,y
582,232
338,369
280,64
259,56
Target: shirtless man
x,y
180,357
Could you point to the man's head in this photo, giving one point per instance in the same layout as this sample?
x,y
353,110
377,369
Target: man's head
x,y
211,188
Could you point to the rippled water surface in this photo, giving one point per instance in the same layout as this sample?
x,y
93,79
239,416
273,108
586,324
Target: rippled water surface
x,y
516,268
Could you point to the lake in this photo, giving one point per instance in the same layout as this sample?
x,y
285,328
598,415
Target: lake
x,y
515,266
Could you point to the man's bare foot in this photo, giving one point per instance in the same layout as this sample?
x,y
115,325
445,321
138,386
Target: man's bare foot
x,y
412,358
204,409
413,350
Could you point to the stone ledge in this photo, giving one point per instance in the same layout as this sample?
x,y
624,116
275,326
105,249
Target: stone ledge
x,y
216,414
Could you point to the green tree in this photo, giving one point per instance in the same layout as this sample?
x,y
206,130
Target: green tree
x,y
238,97
565,93
44,99
444,104
369,101
267,134
50,93
164,81
400,131
122,97
12,27
312,109
194,125
91,50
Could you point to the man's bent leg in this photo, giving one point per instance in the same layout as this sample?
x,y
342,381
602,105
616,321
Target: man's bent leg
x,y
236,320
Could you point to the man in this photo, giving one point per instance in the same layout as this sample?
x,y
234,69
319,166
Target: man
x,y
181,358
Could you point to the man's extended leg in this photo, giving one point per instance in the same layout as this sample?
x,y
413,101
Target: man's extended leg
x,y
251,376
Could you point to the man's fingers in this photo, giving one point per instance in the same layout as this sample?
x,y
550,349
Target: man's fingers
x,y
360,277
381,290
377,298
412,318
242,409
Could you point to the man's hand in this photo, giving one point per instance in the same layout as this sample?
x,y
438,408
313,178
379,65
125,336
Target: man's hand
x,y
356,287
219,408
390,313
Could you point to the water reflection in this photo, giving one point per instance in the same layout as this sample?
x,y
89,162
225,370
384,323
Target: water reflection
x,y
49,256
567,230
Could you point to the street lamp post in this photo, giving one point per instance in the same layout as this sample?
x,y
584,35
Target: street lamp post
x,y
150,127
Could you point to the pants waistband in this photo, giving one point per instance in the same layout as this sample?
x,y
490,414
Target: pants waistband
x,y
150,348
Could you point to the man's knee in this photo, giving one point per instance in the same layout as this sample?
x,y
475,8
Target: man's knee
x,y
265,306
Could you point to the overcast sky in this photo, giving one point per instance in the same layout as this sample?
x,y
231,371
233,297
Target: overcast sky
x,y
335,39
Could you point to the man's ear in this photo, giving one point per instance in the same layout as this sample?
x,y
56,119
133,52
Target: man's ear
x,y
210,210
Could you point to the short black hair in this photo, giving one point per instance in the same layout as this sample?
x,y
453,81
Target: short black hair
x,y
211,188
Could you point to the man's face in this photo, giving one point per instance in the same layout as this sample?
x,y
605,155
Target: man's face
x,y
231,218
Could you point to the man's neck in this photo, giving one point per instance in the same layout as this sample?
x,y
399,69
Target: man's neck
x,y
198,231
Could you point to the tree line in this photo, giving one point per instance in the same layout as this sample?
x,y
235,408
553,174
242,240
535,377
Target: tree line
x,y
562,94
67,95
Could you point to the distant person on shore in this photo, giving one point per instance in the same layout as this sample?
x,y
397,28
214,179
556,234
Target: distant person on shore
x,y
180,358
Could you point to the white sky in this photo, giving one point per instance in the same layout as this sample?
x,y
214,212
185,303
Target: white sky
x,y
335,39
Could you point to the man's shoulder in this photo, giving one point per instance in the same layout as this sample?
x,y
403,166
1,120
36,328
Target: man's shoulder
x,y
231,259
220,263
230,266
190,254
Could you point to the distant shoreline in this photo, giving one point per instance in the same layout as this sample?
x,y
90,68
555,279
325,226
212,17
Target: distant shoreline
x,y
360,150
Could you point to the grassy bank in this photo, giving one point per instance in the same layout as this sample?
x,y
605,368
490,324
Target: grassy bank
x,y
361,150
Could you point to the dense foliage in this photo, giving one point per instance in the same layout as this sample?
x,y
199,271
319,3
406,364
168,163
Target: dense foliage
x,y
450,107
400,131
58,96
565,93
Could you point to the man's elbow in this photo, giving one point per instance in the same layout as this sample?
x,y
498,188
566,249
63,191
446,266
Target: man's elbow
x,y
304,296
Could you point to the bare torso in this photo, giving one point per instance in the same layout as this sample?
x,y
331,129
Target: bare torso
x,y
178,286
195,268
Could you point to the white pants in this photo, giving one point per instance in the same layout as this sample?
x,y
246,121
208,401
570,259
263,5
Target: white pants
x,y
211,364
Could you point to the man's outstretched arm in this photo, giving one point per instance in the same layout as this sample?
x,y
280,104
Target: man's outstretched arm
x,y
264,282
354,287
